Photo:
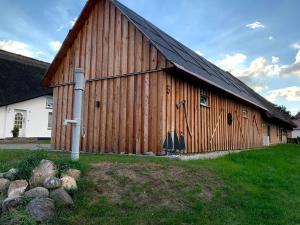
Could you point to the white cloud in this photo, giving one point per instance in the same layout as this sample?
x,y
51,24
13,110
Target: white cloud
x,y
255,25
259,71
232,62
294,111
70,24
199,52
293,69
271,38
60,28
55,45
291,94
260,88
16,47
296,45
275,59
73,21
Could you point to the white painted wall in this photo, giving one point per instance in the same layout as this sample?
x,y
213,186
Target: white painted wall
x,y
2,121
36,124
295,133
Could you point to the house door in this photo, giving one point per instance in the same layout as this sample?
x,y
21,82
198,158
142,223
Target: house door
x,y
20,121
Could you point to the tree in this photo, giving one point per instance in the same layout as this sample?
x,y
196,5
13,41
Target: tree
x,y
283,109
296,117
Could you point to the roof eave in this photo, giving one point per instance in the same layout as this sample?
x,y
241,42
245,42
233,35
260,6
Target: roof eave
x,y
218,86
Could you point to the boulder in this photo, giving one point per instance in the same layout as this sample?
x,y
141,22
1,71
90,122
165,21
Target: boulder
x,y
72,173
61,197
52,183
2,198
4,184
45,169
40,192
12,203
41,209
11,174
2,175
17,188
69,183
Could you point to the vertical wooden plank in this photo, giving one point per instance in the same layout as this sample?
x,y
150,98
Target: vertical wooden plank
x,y
192,113
87,56
145,96
157,60
117,82
138,92
130,85
153,122
59,108
92,96
110,87
64,100
70,93
161,122
54,118
99,60
106,21
123,93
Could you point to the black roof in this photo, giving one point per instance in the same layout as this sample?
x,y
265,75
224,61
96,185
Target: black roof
x,y
187,60
20,78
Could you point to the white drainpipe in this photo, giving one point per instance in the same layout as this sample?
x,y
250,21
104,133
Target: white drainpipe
x,y
77,115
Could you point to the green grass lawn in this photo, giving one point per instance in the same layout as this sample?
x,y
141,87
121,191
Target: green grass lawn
x,y
253,187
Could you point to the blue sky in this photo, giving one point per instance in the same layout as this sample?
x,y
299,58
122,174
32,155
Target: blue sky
x,y
258,40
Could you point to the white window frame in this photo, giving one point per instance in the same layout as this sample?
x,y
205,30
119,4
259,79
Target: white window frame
x,y
245,114
206,104
49,102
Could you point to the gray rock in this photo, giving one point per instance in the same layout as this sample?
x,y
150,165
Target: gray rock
x,y
2,175
11,174
45,169
12,203
17,188
41,209
37,192
52,183
4,184
2,198
61,197
69,183
72,173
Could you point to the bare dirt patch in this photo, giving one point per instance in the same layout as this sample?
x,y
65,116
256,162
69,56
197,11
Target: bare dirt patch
x,y
153,185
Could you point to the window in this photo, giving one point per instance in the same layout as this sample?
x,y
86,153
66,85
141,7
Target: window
x,y
49,102
245,114
229,119
204,100
19,119
49,120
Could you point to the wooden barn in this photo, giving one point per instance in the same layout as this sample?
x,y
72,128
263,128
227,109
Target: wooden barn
x,y
146,92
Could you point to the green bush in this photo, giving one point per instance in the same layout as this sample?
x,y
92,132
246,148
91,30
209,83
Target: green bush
x,y
64,164
26,166
15,132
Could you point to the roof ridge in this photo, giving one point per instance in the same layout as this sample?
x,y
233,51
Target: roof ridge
x,y
22,59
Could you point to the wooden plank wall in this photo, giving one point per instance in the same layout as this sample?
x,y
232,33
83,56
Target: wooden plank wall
x,y
209,128
136,112
275,131
130,117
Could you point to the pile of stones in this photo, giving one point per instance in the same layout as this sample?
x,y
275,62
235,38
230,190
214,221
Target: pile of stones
x,y
41,193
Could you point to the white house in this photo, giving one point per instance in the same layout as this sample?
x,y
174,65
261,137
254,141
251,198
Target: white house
x,y
296,130
24,101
